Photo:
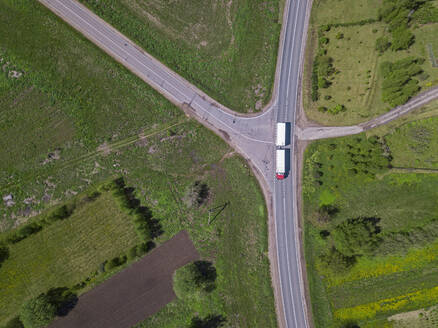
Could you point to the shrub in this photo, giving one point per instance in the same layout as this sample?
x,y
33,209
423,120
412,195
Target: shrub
x,y
336,261
325,66
24,232
115,262
60,213
37,312
322,109
323,83
199,276
336,109
355,237
402,39
132,253
322,41
340,36
382,44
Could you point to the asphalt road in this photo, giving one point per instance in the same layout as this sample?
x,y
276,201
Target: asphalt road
x,y
286,214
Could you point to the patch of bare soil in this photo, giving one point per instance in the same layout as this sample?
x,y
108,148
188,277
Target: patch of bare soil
x,y
135,293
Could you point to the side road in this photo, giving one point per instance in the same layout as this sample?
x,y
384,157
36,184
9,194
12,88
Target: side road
x,y
322,132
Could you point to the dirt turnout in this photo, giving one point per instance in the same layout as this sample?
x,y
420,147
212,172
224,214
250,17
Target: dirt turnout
x,y
136,292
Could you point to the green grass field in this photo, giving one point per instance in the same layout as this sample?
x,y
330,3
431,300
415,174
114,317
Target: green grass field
x,y
227,49
400,273
65,252
345,11
357,80
88,120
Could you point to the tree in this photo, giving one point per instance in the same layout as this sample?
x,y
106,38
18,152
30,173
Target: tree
x,y
336,261
382,44
199,276
356,237
37,312
402,38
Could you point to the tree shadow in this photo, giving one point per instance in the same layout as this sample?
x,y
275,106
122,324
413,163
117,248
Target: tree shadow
x,y
144,212
210,321
64,300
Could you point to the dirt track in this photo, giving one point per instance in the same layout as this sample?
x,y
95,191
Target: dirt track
x,y
136,292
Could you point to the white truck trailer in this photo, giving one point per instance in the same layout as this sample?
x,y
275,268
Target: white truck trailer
x,y
280,138
280,164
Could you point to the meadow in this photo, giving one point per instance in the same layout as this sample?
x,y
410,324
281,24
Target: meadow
x,y
75,118
344,66
227,49
386,180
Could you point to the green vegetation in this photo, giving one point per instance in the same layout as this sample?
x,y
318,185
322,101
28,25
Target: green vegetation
x,y
371,223
227,49
196,277
396,33
73,119
88,241
37,312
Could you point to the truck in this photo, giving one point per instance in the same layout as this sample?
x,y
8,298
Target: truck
x,y
280,164
280,138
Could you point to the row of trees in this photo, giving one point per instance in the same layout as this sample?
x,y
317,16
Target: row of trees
x,y
351,239
399,85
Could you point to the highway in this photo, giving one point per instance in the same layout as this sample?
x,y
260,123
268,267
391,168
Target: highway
x,y
285,199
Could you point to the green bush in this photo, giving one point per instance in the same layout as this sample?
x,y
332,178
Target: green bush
x,y
382,44
199,276
115,262
325,66
355,237
336,261
402,39
37,312
132,253
336,109
24,232
323,82
60,213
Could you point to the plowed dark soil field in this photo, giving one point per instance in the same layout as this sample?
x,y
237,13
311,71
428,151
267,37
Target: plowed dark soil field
x,y
136,292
